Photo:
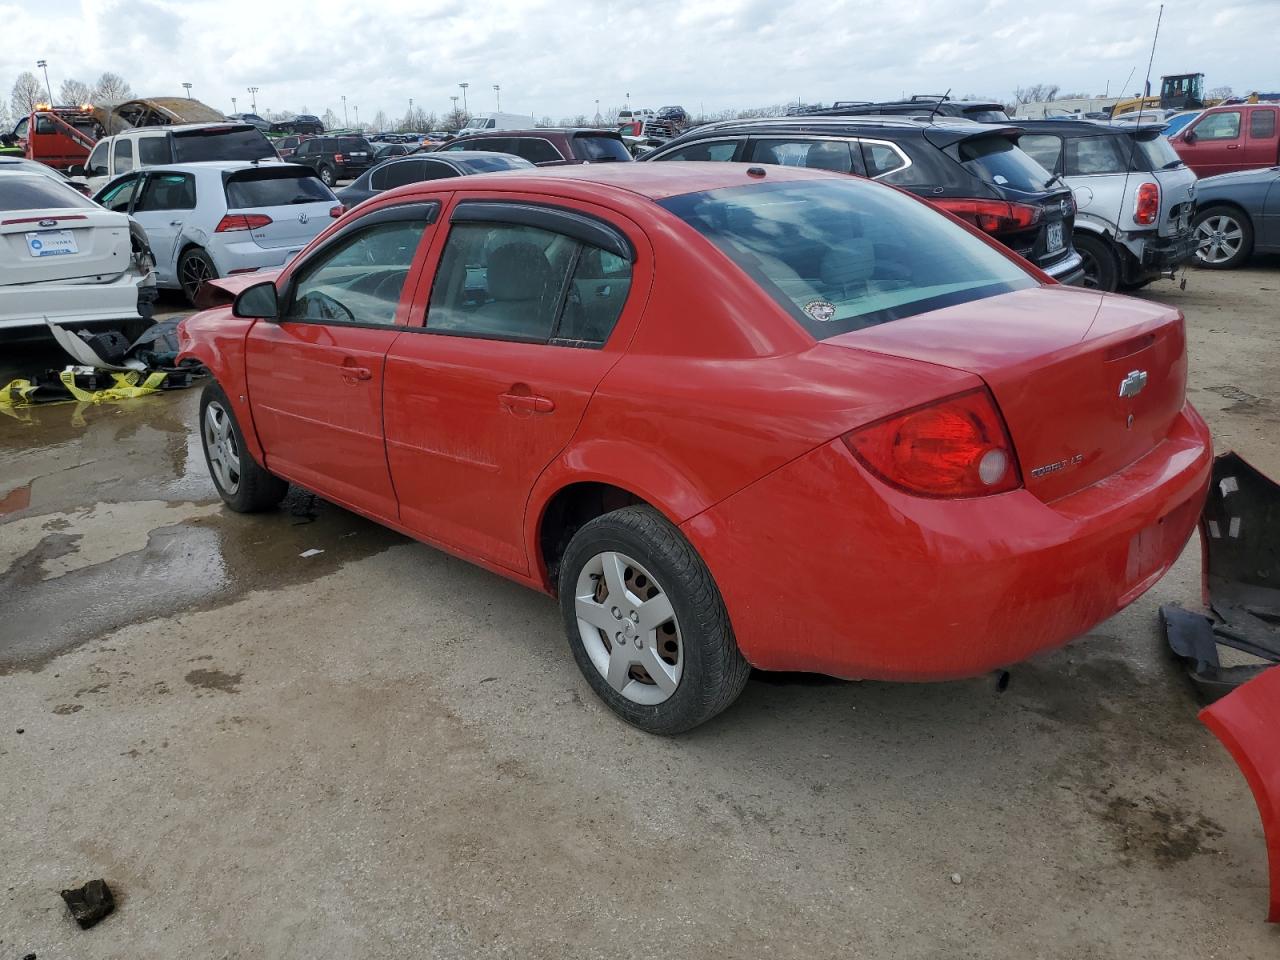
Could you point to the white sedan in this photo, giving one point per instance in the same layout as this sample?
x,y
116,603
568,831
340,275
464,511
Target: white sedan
x,y
65,258
218,218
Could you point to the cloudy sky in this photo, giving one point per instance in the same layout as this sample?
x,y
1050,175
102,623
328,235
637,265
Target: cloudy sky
x,y
556,57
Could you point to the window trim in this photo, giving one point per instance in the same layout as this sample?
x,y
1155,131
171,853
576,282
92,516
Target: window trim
x,y
902,155
425,210
1239,114
572,223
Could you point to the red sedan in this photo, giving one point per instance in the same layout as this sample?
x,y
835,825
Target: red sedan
x,y
729,415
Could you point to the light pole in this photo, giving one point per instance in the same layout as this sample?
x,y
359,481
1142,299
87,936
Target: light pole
x,y
345,121
497,96
233,104
187,87
45,67
253,92
597,111
357,110
464,95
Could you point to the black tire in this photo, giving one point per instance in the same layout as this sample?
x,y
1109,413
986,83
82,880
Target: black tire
x,y
254,489
1221,216
195,268
327,176
1101,265
713,670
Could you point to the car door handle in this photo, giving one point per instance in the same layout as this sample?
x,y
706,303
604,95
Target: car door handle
x,y
529,403
1233,146
352,373
175,223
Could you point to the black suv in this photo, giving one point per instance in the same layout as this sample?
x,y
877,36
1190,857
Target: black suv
x,y
304,123
972,170
334,158
921,105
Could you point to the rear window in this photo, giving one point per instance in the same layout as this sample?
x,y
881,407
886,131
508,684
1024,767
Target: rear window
x,y
998,160
599,149
1158,152
235,143
987,116
351,145
274,188
38,193
842,255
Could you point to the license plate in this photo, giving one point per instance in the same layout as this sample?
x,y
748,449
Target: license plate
x,y
1054,237
51,243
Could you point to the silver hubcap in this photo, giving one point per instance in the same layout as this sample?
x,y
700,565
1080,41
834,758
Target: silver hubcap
x,y
1218,239
220,447
629,629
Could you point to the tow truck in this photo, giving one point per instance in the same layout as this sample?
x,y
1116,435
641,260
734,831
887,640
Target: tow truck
x,y
59,137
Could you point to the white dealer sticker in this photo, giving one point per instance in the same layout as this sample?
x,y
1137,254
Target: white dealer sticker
x,y
51,243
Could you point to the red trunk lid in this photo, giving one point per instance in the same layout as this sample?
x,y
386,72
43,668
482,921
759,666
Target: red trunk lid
x,y
1056,359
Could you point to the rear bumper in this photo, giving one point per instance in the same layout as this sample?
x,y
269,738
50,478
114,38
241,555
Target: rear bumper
x,y
824,568
128,297
245,256
1069,270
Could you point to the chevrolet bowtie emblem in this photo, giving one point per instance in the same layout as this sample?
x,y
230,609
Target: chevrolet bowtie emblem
x,y
1133,384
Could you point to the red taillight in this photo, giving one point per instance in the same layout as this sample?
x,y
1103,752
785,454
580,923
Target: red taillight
x,y
1146,207
336,212
992,216
241,221
957,447
337,158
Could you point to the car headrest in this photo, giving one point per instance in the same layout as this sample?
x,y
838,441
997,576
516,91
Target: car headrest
x,y
518,271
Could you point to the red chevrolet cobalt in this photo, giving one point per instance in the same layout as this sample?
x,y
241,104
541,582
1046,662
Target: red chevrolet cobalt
x,y
731,416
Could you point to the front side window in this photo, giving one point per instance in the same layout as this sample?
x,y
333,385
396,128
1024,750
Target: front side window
x,y
1043,148
841,255
124,155
834,155
1262,124
1219,126
153,151
360,279
516,282
167,191
718,151
120,195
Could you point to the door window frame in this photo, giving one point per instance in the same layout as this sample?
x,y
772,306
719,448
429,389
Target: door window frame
x,y
856,158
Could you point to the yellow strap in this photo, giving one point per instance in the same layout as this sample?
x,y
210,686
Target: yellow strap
x,y
17,393
126,388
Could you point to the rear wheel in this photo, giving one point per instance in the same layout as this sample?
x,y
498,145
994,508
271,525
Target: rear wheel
x,y
244,486
646,623
1224,238
1101,266
195,269
327,176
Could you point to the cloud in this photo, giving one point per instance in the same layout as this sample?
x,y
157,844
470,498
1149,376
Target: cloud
x,y
555,58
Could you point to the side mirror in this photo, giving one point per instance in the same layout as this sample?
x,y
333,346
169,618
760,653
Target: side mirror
x,y
76,170
258,302
1189,137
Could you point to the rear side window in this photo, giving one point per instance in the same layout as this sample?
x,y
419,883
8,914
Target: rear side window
x,y
598,149
718,151
882,159
1158,152
274,188
123,155
1088,156
397,174
38,193
153,151
167,191
845,254
1262,124
533,149
1043,148
523,283
834,155
221,144
1219,126
998,160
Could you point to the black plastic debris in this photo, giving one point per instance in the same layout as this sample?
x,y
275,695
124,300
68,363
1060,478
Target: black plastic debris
x,y
1240,526
90,903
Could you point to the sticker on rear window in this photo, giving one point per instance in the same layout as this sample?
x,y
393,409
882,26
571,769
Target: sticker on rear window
x,y
824,311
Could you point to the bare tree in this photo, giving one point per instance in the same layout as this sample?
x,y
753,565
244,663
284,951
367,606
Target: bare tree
x,y
111,88
1219,93
455,120
330,120
1037,93
27,92
73,92
379,121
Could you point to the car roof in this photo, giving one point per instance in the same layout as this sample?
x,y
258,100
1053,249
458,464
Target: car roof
x,y
541,132
188,128
211,167
942,130
654,181
1088,128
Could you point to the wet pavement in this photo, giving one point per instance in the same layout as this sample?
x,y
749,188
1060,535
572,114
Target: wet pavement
x,y
379,750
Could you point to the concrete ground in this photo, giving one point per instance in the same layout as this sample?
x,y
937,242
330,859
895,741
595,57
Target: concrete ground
x,y
381,751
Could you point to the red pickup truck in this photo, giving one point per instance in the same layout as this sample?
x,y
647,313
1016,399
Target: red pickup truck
x,y
1241,136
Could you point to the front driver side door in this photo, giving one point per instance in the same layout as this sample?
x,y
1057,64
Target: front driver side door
x,y
315,376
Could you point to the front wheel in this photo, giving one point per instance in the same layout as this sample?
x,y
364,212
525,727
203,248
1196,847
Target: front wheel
x,y
244,486
646,623
1224,238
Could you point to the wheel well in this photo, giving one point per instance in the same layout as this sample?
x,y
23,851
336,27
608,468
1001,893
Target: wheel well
x,y
571,508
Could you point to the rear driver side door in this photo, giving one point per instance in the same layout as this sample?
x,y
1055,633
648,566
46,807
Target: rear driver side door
x,y
315,375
